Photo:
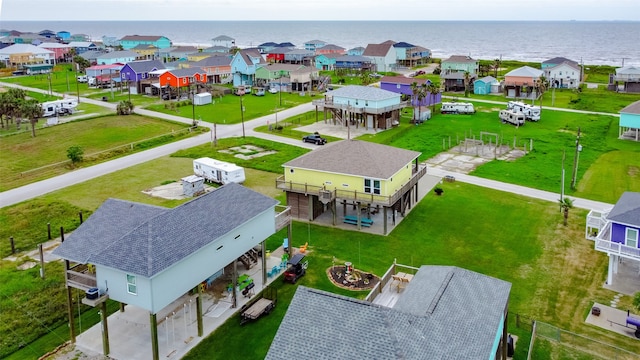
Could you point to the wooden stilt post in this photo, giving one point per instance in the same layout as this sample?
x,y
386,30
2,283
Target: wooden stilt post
x,y
154,337
13,245
72,326
289,233
49,231
234,301
41,251
199,311
105,329
264,263
80,215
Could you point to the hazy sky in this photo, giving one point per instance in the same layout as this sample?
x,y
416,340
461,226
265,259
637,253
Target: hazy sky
x,y
319,10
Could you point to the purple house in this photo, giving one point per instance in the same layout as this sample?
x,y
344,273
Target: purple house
x,y
402,85
618,236
138,72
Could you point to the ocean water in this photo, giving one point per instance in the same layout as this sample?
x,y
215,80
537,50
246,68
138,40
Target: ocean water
x,y
593,42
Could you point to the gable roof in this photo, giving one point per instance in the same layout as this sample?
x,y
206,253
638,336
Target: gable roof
x,y
358,92
627,209
145,66
222,38
214,61
247,54
425,323
330,47
377,49
356,157
141,38
460,59
24,48
633,108
628,70
187,72
403,44
82,44
488,80
526,71
145,240
559,60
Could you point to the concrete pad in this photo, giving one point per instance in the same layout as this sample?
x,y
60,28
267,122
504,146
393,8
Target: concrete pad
x,y
611,319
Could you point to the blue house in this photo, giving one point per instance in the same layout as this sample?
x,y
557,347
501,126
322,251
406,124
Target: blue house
x,y
83,46
618,237
130,41
356,62
120,57
244,65
486,85
46,33
312,45
326,61
63,35
443,312
630,122
359,50
148,256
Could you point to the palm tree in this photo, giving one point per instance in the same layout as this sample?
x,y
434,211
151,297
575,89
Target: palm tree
x,y
11,103
496,66
32,110
541,87
467,79
434,90
565,204
414,89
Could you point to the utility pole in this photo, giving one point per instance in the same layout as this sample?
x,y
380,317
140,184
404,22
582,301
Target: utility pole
x,y
575,161
562,179
242,113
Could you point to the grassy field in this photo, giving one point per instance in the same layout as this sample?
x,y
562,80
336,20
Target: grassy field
x,y
23,154
226,109
528,252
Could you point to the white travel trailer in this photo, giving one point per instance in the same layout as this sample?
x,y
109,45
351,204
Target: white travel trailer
x,y
218,171
457,108
530,112
512,117
59,107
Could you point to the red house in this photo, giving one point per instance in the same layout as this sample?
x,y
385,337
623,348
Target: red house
x,y
183,77
276,55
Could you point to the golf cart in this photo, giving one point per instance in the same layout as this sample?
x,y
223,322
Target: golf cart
x,y
297,268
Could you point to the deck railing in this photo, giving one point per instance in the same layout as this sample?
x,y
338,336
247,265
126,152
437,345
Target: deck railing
x,y
283,216
356,109
384,280
81,277
352,195
615,248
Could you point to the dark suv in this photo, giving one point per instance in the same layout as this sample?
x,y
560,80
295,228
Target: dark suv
x,y
315,138
297,268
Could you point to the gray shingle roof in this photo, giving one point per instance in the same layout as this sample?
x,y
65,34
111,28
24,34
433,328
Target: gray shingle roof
x,y
145,66
627,209
214,61
187,72
118,54
377,50
460,59
355,157
358,92
462,324
146,240
633,108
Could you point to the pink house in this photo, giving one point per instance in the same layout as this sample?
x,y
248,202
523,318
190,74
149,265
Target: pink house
x,y
520,83
61,51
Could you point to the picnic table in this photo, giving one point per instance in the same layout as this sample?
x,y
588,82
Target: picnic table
x,y
400,280
353,220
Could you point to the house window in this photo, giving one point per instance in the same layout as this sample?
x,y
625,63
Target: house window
x,y
372,186
631,237
397,86
131,285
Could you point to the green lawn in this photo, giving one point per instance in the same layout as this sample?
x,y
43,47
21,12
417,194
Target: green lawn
x,y
226,109
22,154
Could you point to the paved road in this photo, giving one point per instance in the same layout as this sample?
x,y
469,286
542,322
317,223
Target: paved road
x,y
33,190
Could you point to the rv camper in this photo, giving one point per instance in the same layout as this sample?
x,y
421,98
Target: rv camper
x,y
457,108
512,117
59,107
531,113
218,171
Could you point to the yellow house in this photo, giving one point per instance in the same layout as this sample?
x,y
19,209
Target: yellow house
x,y
361,174
145,51
197,56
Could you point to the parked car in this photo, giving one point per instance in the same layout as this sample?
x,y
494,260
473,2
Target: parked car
x,y
315,139
258,91
298,267
273,90
83,78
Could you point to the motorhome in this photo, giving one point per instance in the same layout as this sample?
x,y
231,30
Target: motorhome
x,y
531,113
59,107
512,117
457,108
218,171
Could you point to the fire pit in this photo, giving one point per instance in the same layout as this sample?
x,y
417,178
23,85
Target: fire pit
x,y
595,311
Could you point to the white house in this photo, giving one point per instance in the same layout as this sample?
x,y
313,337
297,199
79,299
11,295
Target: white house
x,y
563,76
223,40
23,54
382,55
